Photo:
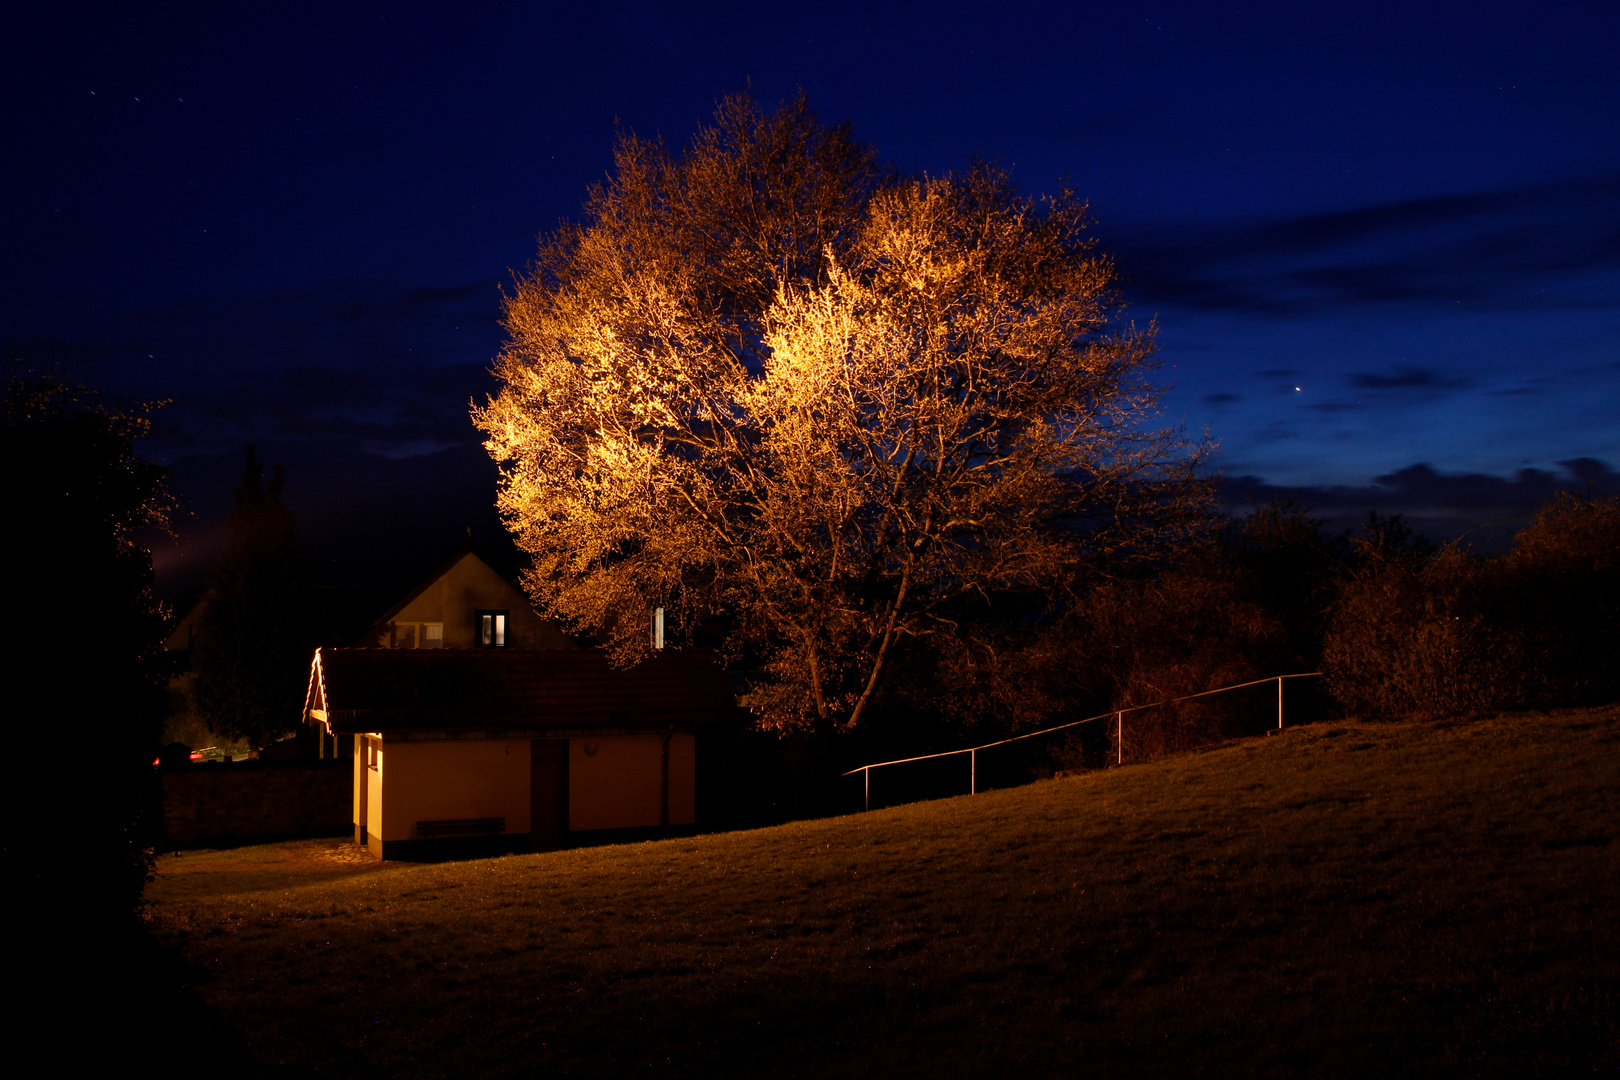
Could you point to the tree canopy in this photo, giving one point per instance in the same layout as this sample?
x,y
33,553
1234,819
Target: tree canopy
x,y
84,644
841,408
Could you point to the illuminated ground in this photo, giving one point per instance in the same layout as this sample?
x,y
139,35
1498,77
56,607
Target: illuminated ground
x,y
1340,900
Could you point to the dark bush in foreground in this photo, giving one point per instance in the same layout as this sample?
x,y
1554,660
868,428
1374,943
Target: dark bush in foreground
x,y
83,652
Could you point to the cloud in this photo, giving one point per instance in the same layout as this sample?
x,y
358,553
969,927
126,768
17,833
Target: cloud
x,y
360,389
1410,378
368,520
400,412
1548,246
386,368
1443,506
407,303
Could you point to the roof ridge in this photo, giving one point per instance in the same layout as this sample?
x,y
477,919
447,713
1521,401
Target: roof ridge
x,y
469,546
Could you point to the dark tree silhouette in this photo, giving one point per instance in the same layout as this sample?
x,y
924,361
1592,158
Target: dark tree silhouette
x,y
1448,633
82,643
252,644
1294,567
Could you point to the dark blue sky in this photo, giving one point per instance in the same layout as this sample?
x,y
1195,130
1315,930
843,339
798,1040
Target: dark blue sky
x,y
1382,241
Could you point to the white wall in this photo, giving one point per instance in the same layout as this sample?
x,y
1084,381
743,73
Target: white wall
x,y
374,807
618,786
683,780
445,780
621,784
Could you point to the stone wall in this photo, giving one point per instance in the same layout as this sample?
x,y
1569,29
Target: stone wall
x,y
207,804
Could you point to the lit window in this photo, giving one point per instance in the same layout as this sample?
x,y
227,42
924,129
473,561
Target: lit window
x,y
410,635
491,630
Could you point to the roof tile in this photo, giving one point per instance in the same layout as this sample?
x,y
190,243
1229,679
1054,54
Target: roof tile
x,y
373,689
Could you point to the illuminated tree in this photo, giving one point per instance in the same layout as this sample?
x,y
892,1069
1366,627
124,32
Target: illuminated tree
x,y
843,409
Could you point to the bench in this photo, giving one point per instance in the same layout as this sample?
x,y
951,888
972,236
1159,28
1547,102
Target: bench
x,y
478,826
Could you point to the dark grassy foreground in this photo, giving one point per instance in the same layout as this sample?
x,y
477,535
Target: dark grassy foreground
x,y
1339,900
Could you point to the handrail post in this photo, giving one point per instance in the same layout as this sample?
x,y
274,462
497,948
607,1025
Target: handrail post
x,y
1119,731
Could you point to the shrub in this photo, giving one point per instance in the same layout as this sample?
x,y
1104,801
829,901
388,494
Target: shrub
x,y
1184,632
1560,586
1249,606
1451,634
1293,567
1410,636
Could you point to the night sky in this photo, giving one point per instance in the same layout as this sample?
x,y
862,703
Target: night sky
x,y
1382,241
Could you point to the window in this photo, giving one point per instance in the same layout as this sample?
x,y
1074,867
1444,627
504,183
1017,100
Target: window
x,y
489,630
410,635
373,752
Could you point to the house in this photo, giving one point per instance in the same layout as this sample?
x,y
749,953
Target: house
x,y
465,603
505,748
470,600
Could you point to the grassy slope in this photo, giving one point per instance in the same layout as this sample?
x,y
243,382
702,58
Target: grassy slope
x,y
1338,900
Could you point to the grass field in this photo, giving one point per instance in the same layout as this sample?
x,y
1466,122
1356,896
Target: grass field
x,y
1338,900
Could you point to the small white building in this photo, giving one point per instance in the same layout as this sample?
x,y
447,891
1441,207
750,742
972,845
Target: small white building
x,y
514,749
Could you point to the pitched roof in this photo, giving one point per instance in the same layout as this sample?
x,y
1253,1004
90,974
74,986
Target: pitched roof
x,y
494,559
356,690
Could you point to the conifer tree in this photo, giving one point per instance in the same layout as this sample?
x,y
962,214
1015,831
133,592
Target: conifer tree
x,y
251,650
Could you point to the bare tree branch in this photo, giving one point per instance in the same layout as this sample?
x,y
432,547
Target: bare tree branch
x,y
771,382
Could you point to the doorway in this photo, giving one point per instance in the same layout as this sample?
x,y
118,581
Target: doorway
x,y
548,794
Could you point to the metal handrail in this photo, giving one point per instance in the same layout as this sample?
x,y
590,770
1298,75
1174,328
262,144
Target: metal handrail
x,y
1119,714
